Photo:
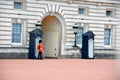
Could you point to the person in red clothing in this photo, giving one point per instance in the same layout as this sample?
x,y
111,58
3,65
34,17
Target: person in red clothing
x,y
40,49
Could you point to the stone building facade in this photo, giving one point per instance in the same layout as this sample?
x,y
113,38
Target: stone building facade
x,y
18,18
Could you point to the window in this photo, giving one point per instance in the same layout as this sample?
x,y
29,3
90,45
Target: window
x,y
109,13
79,36
81,11
17,5
16,32
107,36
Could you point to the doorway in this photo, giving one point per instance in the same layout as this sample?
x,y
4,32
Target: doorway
x,y
51,28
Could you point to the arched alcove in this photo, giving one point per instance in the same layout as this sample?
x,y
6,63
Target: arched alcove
x,y
51,28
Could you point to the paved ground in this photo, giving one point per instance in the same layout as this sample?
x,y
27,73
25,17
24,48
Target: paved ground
x,y
58,69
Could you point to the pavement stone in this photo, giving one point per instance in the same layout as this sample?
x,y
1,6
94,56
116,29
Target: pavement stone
x,y
59,69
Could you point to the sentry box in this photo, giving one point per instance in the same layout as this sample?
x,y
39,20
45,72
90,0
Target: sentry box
x,y
88,45
35,36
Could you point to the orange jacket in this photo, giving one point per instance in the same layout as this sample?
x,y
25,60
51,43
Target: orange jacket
x,y
40,47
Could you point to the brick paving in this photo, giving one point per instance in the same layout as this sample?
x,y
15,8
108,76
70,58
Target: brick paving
x,y
58,69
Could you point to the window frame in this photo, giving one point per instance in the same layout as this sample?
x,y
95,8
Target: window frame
x,y
108,37
112,12
113,33
85,11
80,45
21,8
85,29
13,43
24,33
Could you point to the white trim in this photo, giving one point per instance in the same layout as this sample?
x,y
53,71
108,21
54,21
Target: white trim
x,y
36,43
23,3
22,32
85,11
21,36
113,12
111,35
90,48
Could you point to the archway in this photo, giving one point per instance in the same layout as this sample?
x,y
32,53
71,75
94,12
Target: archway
x,y
51,28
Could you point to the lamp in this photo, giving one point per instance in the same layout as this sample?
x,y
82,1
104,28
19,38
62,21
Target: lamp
x,y
75,27
38,25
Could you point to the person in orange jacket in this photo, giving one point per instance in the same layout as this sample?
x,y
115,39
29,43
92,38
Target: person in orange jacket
x,y
40,49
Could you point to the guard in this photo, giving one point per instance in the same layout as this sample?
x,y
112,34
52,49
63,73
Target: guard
x,y
40,49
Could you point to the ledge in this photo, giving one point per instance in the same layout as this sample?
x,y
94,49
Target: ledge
x,y
13,55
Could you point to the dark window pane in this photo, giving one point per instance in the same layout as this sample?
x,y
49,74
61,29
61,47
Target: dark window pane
x,y
107,36
79,35
81,11
109,13
17,5
16,32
